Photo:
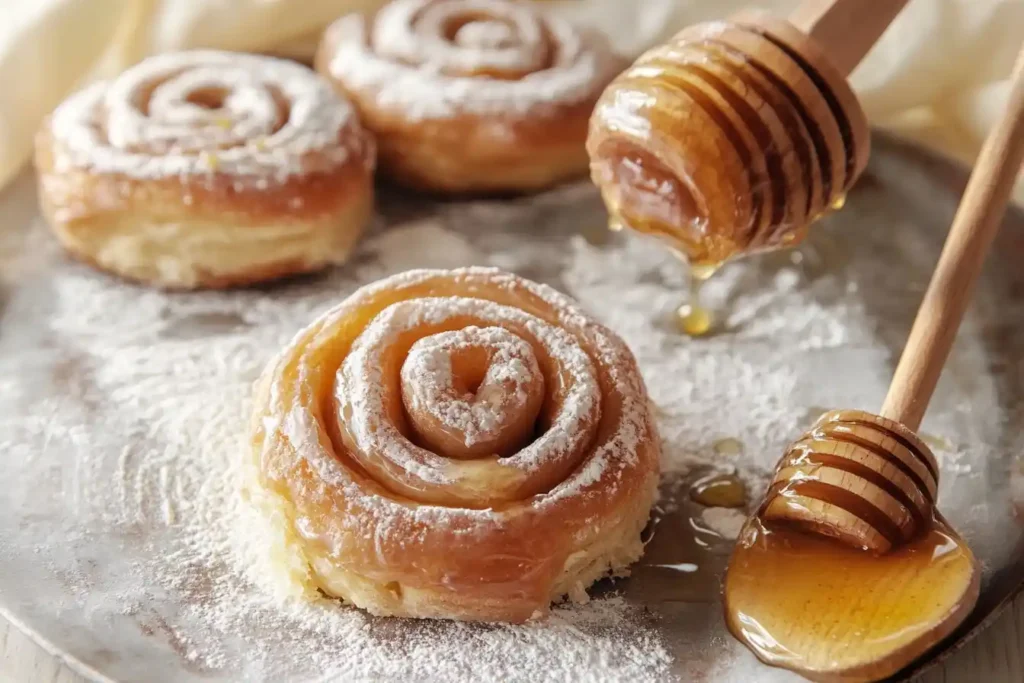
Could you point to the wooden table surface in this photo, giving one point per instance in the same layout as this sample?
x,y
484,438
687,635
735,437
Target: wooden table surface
x,y
995,656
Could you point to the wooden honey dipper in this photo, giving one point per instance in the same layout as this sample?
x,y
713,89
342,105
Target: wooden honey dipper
x,y
735,136
847,571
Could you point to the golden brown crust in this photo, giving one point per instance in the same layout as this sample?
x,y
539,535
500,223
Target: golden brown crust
x,y
334,475
468,149
461,156
314,220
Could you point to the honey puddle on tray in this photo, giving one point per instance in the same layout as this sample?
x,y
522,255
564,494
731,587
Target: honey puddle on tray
x,y
832,607
685,557
719,490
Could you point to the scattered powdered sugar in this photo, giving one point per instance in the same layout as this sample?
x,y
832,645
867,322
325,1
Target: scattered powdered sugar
x,y
171,386
204,112
406,62
124,412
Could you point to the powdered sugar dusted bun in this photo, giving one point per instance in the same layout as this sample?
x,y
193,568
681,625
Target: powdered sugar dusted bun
x,y
207,169
471,95
457,444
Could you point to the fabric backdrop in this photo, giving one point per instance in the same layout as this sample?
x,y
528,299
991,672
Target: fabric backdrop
x,y
938,75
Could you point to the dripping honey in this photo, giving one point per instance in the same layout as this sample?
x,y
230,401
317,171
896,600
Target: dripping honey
x,y
810,603
693,317
645,196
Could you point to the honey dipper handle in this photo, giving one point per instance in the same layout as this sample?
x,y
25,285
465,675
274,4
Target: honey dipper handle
x,y
845,29
975,225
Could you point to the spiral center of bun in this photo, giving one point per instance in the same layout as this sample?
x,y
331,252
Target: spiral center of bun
x,y
204,113
199,109
465,401
472,392
504,41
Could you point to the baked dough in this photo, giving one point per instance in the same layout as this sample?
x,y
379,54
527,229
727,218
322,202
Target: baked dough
x,y
470,96
207,169
454,444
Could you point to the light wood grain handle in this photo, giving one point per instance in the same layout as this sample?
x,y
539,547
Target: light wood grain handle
x,y
846,29
974,227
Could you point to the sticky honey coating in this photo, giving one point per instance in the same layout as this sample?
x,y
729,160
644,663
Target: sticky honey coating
x,y
867,481
350,458
847,572
726,141
836,613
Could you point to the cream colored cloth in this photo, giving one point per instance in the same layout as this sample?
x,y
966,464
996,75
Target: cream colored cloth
x,y
937,76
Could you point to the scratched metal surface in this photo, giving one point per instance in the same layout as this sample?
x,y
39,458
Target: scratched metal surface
x,y
69,571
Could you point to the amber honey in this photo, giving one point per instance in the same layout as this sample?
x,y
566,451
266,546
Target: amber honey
x,y
719,490
644,196
725,142
827,610
693,317
728,447
684,559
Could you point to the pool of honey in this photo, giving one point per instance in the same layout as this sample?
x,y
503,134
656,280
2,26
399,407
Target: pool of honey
x,y
684,557
830,611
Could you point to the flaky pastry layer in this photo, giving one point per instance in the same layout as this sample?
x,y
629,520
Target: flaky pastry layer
x,y
182,235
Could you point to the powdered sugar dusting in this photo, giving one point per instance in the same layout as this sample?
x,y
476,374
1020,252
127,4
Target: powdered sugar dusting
x,y
178,476
506,59
202,113
124,541
493,36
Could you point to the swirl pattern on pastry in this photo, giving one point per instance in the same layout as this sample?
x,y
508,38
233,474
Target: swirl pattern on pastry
x,y
207,168
471,95
455,444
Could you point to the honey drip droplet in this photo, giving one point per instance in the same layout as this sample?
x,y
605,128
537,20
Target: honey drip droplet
x,y
692,317
729,447
694,320
719,490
